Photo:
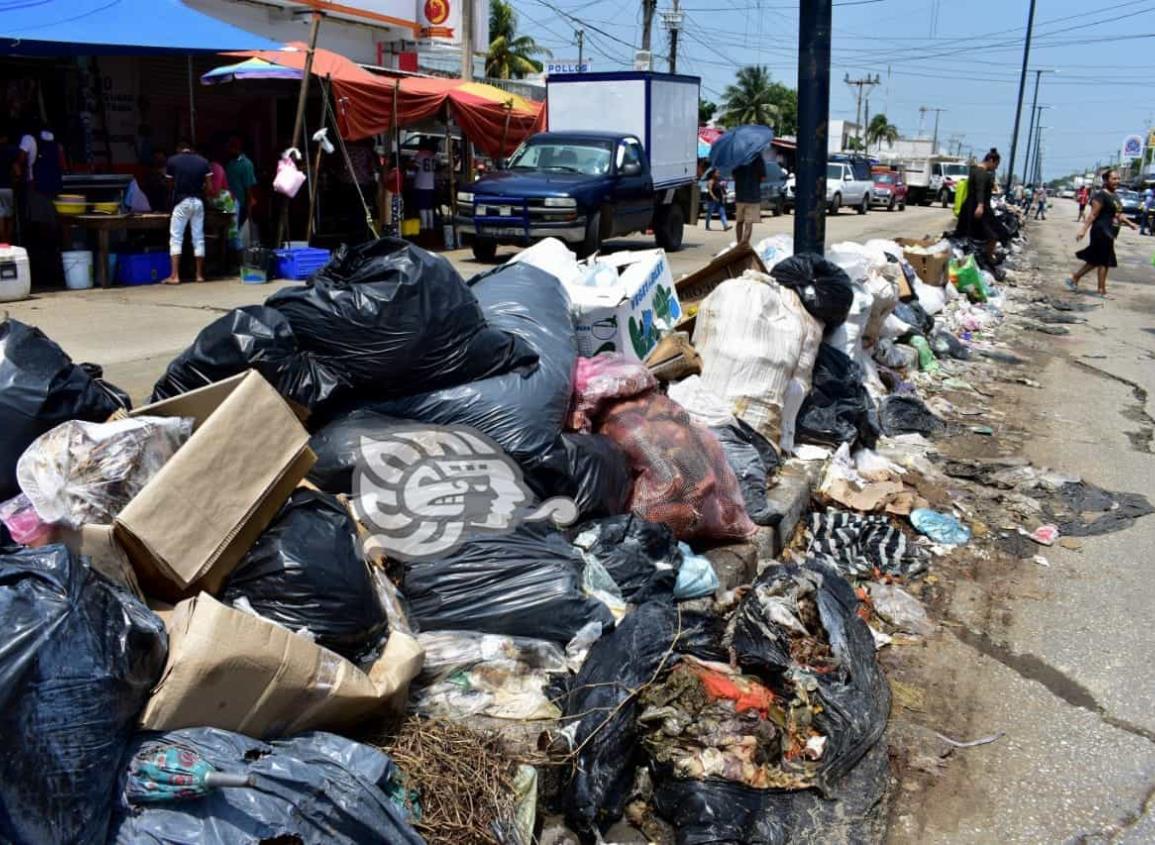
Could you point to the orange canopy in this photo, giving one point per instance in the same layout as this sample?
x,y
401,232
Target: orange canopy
x,y
496,121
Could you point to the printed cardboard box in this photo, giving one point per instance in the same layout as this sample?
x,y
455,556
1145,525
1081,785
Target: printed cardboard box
x,y
930,268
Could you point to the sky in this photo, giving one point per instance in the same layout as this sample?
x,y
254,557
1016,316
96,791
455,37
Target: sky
x,y
961,57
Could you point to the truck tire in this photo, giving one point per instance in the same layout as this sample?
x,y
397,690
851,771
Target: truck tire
x,y
593,239
865,206
484,249
902,206
669,227
836,204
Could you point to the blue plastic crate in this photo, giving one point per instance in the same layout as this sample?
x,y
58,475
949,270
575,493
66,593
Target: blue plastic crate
x,y
142,268
300,262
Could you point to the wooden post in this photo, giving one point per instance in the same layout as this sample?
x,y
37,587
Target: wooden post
x,y
299,122
452,180
505,132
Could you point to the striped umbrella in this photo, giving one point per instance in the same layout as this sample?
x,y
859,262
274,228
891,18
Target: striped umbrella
x,y
249,69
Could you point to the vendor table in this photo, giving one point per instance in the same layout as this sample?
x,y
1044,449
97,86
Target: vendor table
x,y
216,223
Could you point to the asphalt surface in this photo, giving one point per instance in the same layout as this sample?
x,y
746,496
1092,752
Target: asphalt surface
x,y
135,332
1060,658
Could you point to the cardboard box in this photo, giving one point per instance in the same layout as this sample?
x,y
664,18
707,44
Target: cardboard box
x,y
229,669
193,522
930,268
730,264
631,316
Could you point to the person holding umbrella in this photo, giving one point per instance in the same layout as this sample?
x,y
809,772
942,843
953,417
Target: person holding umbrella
x,y
740,152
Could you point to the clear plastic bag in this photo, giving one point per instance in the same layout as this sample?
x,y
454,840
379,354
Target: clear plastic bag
x,y
602,379
83,473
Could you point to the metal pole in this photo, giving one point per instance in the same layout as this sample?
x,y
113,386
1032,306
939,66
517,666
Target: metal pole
x,y
299,121
1034,117
1022,90
467,13
813,125
1030,141
581,39
934,143
648,8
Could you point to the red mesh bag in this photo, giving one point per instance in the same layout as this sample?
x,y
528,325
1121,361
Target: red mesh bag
x,y
602,379
682,477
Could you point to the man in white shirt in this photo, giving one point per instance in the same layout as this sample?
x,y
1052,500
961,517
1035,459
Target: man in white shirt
x,y
425,181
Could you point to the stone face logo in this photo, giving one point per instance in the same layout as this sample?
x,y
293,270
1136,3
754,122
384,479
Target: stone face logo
x,y
424,490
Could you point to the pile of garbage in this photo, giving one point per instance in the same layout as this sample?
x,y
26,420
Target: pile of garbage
x,y
394,526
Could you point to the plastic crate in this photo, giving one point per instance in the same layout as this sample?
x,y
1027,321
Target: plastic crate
x,y
258,266
142,268
300,262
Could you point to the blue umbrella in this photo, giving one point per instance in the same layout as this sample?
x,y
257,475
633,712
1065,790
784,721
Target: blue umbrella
x,y
741,145
249,69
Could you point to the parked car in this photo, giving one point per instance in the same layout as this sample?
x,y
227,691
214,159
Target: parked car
x,y
889,191
848,183
1132,203
1066,194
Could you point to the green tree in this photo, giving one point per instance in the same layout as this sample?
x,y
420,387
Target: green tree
x,y
880,129
756,98
706,110
854,143
510,56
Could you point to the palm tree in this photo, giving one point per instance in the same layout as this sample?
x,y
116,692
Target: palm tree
x,y
750,99
510,56
881,129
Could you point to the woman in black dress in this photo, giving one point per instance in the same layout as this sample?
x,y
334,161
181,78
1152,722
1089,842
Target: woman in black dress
x,y
975,219
1103,221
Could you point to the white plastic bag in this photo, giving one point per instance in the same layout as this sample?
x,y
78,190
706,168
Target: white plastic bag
x,y
931,298
851,257
774,249
705,407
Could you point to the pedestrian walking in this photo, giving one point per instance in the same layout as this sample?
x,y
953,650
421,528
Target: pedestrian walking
x,y
1103,223
191,178
1083,196
716,202
1040,203
748,197
975,218
1147,218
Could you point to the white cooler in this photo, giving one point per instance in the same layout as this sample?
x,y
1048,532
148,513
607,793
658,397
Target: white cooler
x,y
15,273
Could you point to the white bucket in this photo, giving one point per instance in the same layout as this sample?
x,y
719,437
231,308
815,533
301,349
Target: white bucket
x,y
77,269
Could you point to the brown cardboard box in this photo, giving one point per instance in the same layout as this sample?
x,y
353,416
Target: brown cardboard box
x,y
930,268
191,524
232,670
692,289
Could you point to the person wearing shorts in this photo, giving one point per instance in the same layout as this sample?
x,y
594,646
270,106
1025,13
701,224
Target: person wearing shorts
x,y
748,197
191,177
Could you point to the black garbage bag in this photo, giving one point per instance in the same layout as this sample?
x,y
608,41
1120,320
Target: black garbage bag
x,y
253,337
825,289
908,414
946,345
591,469
522,411
313,789
338,447
306,571
80,658
601,700
753,459
838,408
390,318
853,698
915,316
96,373
527,583
641,556
40,388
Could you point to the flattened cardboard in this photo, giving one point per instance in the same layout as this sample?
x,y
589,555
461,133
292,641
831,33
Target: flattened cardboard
x,y
231,670
692,289
194,521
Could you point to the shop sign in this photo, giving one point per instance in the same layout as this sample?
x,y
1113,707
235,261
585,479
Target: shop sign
x,y
568,66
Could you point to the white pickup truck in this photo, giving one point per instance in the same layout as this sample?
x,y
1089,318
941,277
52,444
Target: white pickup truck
x,y
848,184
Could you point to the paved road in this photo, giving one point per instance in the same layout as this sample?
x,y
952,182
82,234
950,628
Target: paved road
x,y
1062,661
135,332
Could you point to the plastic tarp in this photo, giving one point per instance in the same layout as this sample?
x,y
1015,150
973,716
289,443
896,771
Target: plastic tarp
x,y
79,660
313,789
756,339
388,316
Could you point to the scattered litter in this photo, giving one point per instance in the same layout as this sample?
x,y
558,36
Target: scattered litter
x,y
1045,535
974,743
1040,560
940,527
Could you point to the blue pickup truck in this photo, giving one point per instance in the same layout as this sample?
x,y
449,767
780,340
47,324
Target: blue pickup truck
x,y
584,183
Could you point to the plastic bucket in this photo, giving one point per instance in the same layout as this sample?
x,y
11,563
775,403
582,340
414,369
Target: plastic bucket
x,y
77,269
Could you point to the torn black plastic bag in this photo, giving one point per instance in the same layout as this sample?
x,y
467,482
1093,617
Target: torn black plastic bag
x,y
642,557
253,337
40,388
946,345
753,459
79,661
590,469
601,700
853,697
306,571
908,414
824,288
915,316
522,411
527,583
838,408
312,789
391,319
96,373
338,447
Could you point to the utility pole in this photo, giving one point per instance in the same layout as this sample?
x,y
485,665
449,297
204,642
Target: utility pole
x,y
1022,90
1034,114
672,20
467,9
866,124
1036,119
1039,156
867,83
648,9
814,18
581,42
937,112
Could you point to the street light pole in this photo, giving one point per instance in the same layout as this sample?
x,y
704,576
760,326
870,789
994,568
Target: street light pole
x,y
1022,91
1036,120
814,19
